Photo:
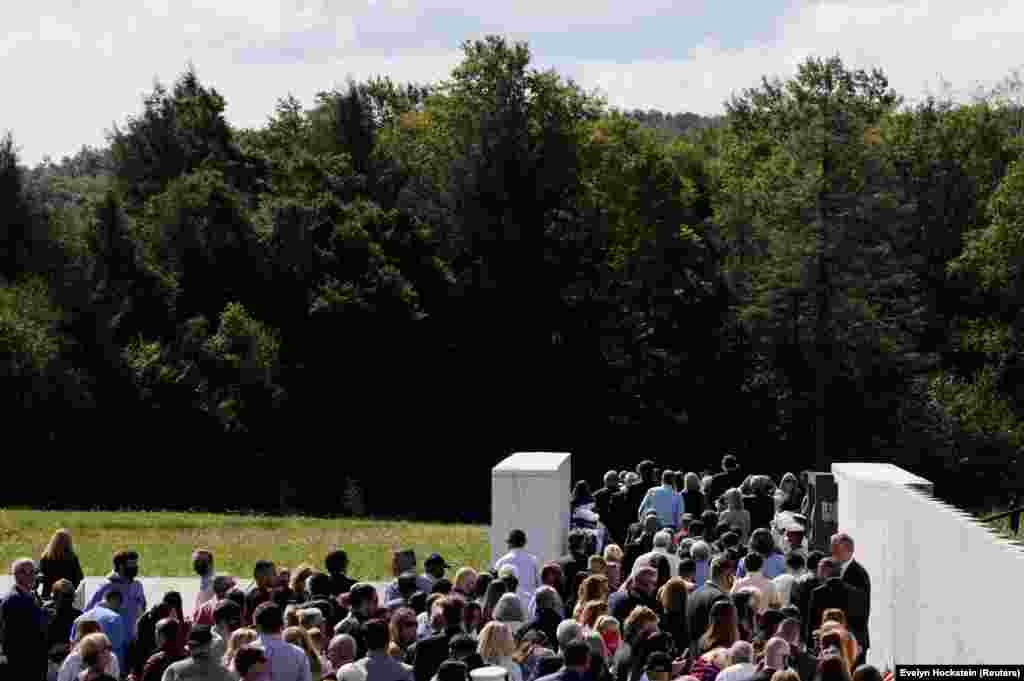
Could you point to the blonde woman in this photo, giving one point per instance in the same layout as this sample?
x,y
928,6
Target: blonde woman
x,y
465,582
497,646
59,561
72,665
96,653
240,637
735,515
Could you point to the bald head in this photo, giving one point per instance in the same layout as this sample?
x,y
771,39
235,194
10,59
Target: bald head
x,y
24,572
775,652
741,651
341,650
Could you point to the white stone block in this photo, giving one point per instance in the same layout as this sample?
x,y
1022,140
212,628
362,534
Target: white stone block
x,y
530,491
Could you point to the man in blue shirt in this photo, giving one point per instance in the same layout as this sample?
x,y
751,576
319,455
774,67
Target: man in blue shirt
x,y
665,501
113,624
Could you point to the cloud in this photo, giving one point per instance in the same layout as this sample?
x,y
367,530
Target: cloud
x,y
75,68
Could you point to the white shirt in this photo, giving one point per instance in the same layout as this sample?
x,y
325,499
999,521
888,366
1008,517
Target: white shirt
x,y
285,662
527,571
737,672
784,585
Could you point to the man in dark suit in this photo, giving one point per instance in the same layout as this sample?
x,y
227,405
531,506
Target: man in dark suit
x,y
854,574
730,476
640,544
699,603
428,654
835,593
573,562
577,663
800,595
603,500
23,623
636,492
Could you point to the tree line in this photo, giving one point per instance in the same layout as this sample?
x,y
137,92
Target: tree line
x,y
384,294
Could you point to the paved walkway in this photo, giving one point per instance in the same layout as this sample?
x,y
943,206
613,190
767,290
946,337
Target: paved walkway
x,y
156,587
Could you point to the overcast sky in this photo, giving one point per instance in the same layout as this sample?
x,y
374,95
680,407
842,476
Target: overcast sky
x,y
71,68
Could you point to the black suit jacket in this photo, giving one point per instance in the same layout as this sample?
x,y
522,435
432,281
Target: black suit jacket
x,y
800,596
857,577
835,593
720,482
428,654
698,610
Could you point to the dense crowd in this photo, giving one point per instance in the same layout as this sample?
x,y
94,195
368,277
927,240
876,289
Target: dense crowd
x,y
679,578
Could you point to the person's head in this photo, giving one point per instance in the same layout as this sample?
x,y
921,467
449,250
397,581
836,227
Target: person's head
x,y
723,626
238,640
641,623
24,572
567,632
577,540
268,618
435,566
298,577
202,562
126,564
166,632
842,547
465,580
688,569
646,581
700,551
496,642
581,491
761,541
867,672
611,479
828,568
813,559
651,522
60,546
788,483
691,482
173,599
663,540
95,650
734,499
510,575
510,610
795,563
729,463
832,666
362,598
548,599
747,601
672,596
516,539
658,666
645,469
84,628
453,670
336,562
442,586
668,478
593,588
721,571
264,573
63,593
227,615
833,615
577,656
591,611
113,599
222,584
753,562
775,653
250,662
610,631
318,584
613,553
789,630
596,565
199,640
311,618
741,652
403,626
341,650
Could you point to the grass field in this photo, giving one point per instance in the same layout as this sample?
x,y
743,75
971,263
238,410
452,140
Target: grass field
x,y
165,541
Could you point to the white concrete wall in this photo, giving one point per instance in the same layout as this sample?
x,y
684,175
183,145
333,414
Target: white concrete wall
x,y
943,587
530,491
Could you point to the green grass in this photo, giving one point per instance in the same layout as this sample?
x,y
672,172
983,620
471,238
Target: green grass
x,y
165,540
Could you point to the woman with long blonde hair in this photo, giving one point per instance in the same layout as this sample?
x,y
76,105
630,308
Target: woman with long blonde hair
x,y
239,638
465,582
59,561
497,646
96,651
298,636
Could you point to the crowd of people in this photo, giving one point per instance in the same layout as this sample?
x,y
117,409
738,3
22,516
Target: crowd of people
x,y
696,580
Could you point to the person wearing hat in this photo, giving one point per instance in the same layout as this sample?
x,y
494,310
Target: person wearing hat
x,y
200,664
526,565
434,567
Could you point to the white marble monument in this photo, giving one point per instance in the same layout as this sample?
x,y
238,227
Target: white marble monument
x,y
530,491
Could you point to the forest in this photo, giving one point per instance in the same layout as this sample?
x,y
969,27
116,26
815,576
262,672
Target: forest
x,y
361,306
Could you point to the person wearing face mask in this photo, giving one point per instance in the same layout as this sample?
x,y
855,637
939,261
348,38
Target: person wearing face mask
x,y
133,597
202,563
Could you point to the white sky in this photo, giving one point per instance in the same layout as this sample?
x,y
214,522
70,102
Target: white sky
x,y
71,68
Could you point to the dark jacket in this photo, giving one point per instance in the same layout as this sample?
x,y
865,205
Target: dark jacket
x,y
59,621
428,654
675,624
762,510
720,482
604,503
800,596
857,577
694,503
765,675
643,544
571,564
158,663
66,568
620,604
326,606
24,629
547,621
698,611
835,593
